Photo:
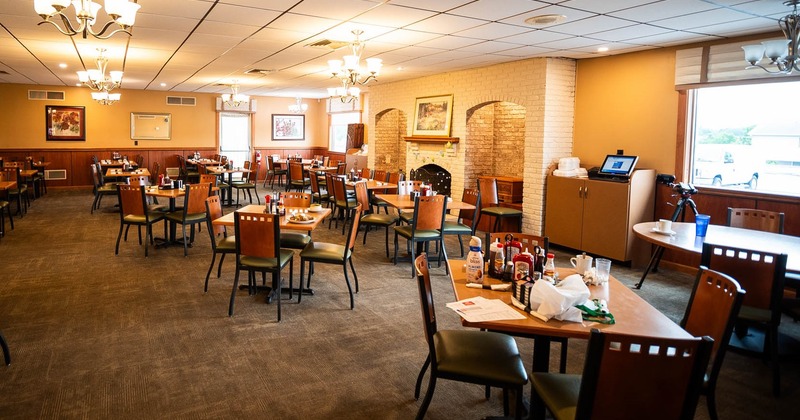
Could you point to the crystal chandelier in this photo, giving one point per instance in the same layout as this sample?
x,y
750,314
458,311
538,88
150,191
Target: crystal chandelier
x,y
350,73
298,107
121,12
96,79
782,52
235,98
106,98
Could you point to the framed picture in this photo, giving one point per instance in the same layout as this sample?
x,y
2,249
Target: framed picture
x,y
432,116
288,127
151,126
65,122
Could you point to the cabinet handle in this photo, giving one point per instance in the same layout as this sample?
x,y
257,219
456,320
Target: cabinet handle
x,y
586,192
580,191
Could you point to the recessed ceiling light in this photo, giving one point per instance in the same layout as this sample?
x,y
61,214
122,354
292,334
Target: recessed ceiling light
x,y
602,49
400,68
63,65
163,84
545,20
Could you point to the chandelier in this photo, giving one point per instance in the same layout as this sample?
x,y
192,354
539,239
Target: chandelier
x,y
96,79
350,73
298,107
106,98
782,52
121,12
235,98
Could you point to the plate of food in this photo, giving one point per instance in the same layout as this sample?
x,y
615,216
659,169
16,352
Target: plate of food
x,y
301,218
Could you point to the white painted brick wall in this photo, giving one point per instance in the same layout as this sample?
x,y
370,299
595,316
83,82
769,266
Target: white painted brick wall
x,y
543,87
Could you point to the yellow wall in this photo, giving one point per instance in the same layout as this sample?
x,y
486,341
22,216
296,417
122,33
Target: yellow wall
x,y
22,121
627,102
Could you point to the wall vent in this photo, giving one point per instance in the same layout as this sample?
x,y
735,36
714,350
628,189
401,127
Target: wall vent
x,y
182,100
46,95
55,174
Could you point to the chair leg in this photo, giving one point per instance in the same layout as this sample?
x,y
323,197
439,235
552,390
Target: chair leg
x,y
773,350
349,288
461,245
302,272
355,276
219,266
6,351
119,236
210,267
421,375
711,403
235,287
423,408
387,241
562,366
276,286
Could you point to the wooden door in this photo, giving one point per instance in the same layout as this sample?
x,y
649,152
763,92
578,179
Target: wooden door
x,y
605,219
564,211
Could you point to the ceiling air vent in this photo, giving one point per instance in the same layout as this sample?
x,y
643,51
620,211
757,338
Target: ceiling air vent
x,y
4,72
258,71
328,44
46,95
182,100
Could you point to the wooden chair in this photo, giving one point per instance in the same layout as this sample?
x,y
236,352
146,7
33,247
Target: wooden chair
x,y
223,244
761,275
298,178
18,193
490,205
426,227
329,253
5,205
628,377
391,178
712,310
295,239
341,168
133,210
407,216
478,357
466,221
258,250
341,201
767,221
365,173
316,190
193,212
100,189
274,171
247,183
369,219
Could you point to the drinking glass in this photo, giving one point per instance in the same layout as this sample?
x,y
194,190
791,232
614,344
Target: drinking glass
x,y
701,224
602,269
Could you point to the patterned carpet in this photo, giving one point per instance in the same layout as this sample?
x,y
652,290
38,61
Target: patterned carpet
x,y
94,335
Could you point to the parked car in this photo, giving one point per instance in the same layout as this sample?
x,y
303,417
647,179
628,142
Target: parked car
x,y
724,165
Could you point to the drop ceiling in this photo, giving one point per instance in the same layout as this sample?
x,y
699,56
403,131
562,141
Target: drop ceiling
x,y
202,45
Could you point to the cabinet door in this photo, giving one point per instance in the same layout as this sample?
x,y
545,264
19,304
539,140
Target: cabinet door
x,y
564,211
605,219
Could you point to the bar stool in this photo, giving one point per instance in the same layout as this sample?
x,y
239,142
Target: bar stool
x,y
490,205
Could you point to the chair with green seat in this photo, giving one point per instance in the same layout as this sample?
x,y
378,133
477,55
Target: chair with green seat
x,y
369,218
711,311
101,189
221,243
18,193
329,253
382,176
258,250
193,212
295,239
466,222
317,196
247,183
341,201
478,357
274,171
35,181
429,213
408,216
298,177
627,377
133,210
761,274
490,205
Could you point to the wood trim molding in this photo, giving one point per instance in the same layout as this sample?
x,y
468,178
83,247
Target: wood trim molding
x,y
427,139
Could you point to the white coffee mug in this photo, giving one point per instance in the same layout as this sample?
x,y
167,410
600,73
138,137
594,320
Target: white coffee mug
x,y
582,263
664,225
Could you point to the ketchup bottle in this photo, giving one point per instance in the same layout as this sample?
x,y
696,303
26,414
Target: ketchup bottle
x,y
523,265
512,247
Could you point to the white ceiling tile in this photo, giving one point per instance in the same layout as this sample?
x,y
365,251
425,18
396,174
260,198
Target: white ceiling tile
x,y
629,32
591,25
393,16
663,9
494,10
604,6
438,6
701,19
445,24
493,30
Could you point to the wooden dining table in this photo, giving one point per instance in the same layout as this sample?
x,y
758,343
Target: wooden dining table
x,y
685,239
373,185
115,172
404,202
115,163
172,194
219,170
227,220
633,315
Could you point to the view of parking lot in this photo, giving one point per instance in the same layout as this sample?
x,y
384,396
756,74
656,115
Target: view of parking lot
x,y
745,138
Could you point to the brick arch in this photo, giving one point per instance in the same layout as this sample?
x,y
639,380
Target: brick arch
x,y
495,135
389,149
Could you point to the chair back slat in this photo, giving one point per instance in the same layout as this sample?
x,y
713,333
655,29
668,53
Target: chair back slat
x,y
763,220
296,171
648,365
257,234
341,168
214,211
296,199
362,195
470,196
196,195
139,180
351,238
339,189
380,175
131,200
393,178
429,212
426,302
488,189
365,173
208,179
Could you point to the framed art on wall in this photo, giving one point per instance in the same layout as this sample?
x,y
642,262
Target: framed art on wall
x,y
288,127
433,115
65,122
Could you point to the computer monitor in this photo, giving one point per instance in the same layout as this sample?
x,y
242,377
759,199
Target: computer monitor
x,y
618,165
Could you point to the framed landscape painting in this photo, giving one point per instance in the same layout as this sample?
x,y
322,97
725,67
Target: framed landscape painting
x,y
432,116
288,127
65,122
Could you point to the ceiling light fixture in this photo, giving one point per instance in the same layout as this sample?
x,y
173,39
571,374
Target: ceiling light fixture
x,y
106,98
782,52
121,12
349,71
235,98
298,107
96,79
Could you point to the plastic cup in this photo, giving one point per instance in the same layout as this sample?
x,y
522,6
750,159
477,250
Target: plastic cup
x,y
602,269
701,224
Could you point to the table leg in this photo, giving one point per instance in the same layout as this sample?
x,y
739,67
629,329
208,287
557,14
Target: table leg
x,y
541,363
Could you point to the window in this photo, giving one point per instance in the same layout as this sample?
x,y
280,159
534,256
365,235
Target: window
x,y
234,136
747,138
338,127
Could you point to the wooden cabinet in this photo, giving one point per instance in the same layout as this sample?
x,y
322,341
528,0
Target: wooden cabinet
x,y
597,216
